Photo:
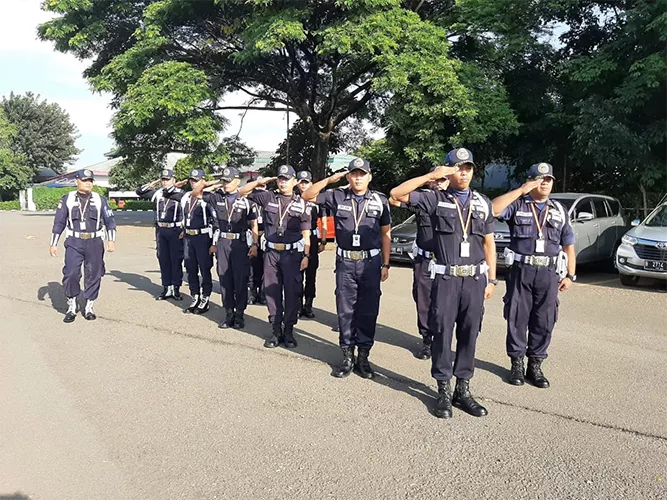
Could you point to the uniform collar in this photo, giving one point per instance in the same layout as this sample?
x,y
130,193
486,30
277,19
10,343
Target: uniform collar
x,y
349,193
529,199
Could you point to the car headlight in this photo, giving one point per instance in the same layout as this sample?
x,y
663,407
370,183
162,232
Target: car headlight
x,y
629,240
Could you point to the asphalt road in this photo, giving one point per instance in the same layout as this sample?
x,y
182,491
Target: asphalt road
x,y
149,403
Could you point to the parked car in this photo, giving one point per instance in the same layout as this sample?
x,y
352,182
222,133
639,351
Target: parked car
x,y
597,220
643,249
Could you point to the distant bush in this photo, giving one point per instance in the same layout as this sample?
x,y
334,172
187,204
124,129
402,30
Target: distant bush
x,y
10,205
47,198
133,205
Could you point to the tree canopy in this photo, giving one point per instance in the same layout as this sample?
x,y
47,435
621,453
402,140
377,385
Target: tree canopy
x,y
15,174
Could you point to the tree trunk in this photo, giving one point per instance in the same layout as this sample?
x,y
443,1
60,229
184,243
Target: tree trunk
x,y
644,199
564,172
318,162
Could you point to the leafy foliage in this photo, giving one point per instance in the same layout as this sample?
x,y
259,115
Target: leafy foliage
x,y
15,174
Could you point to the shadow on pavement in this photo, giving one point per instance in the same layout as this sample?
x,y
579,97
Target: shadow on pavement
x,y
15,496
56,295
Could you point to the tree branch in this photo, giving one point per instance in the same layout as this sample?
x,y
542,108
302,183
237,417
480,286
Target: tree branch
x,y
358,105
262,108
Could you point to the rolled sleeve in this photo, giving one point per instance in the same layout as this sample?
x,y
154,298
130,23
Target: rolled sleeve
x,y
425,201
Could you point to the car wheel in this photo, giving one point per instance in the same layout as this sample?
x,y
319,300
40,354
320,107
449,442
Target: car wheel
x,y
628,280
611,263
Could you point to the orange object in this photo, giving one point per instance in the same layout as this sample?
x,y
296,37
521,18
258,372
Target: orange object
x,y
121,204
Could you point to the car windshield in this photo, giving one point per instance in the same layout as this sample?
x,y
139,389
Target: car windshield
x,y
658,218
566,202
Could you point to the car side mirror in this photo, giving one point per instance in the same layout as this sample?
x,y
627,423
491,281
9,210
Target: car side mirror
x,y
584,216
635,223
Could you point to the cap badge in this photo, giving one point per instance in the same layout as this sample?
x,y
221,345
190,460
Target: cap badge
x,y
194,173
543,168
462,154
358,162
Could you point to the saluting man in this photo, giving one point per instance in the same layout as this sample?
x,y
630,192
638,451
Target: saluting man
x,y
464,274
169,240
363,236
237,216
318,242
199,226
539,227
83,215
287,239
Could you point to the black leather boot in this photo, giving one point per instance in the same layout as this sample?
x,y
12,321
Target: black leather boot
x,y
443,406
70,315
534,373
425,351
276,336
228,322
463,399
89,312
166,293
307,311
346,367
239,320
262,298
193,305
177,293
253,296
517,371
362,367
290,341
203,306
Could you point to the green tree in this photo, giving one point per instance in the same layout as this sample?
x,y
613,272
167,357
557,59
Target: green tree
x,y
169,63
15,174
46,136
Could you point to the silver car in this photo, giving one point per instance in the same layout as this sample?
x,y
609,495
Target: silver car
x,y
643,250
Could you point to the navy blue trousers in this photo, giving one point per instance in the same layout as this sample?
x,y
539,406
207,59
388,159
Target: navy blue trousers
x,y
257,272
460,302
421,293
310,274
358,300
531,307
234,271
198,260
170,255
282,274
90,253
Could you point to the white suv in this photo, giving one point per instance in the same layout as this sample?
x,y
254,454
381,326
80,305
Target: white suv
x,y
643,249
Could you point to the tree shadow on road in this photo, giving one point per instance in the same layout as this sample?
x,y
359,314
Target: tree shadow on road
x,y
56,295
15,496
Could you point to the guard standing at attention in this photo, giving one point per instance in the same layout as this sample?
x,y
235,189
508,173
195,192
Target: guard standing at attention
x,y
423,252
199,226
256,282
318,242
464,274
237,224
539,227
169,241
363,236
286,251
83,215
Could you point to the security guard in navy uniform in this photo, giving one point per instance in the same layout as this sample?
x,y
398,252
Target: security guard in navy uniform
x,y
363,236
318,242
464,274
83,215
539,227
256,282
199,225
169,241
422,252
237,217
286,252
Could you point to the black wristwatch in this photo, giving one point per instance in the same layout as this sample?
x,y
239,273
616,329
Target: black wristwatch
x,y
306,256
385,266
572,277
493,282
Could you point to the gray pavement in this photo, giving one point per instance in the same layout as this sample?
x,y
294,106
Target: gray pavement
x,y
148,403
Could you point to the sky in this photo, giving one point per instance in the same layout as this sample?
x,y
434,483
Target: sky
x,y
30,65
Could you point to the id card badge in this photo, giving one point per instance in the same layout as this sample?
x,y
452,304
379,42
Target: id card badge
x,y
82,225
163,215
356,240
280,231
465,249
539,245
187,222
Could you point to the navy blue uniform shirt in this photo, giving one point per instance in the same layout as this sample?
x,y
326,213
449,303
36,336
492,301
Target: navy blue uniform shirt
x,y
297,216
557,230
84,214
425,239
167,202
232,211
447,227
372,209
197,213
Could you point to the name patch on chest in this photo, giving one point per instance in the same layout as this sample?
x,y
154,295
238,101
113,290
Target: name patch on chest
x,y
347,208
524,214
446,204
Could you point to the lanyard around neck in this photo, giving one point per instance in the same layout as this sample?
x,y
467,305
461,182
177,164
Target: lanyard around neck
x,y
465,225
282,213
357,220
537,221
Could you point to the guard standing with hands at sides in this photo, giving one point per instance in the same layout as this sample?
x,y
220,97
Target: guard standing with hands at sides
x,y
286,252
464,273
199,226
424,252
237,217
363,236
169,240
83,215
539,227
318,242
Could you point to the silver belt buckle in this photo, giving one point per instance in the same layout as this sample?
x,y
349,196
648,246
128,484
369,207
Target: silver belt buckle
x,y
464,271
86,236
279,246
356,254
230,236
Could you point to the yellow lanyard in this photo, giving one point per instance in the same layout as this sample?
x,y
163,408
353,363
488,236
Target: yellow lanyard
x,y
193,205
537,221
467,223
357,220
